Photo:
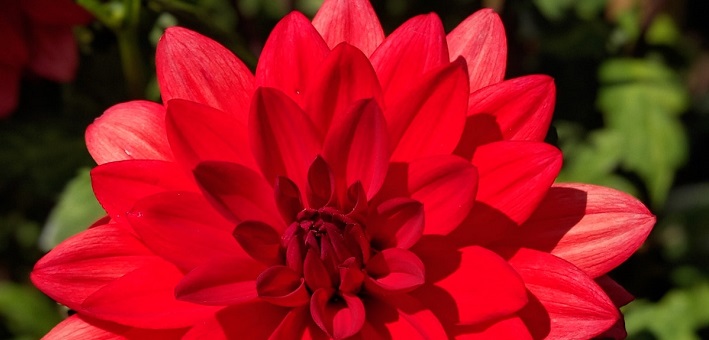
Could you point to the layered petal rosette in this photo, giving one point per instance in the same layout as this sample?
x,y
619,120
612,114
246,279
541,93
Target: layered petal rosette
x,y
357,186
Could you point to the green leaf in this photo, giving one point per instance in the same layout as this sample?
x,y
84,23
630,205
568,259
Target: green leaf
x,y
642,99
76,210
27,312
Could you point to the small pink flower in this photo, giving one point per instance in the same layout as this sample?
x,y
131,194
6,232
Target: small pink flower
x,y
357,186
37,36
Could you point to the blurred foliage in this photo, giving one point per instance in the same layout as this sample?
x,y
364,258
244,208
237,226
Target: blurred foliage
x,y
632,113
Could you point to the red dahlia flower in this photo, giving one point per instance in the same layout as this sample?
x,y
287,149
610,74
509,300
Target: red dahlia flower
x,y
37,35
357,186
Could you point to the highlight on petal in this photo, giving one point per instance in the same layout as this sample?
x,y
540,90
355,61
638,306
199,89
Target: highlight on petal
x,y
480,39
515,176
182,228
131,130
197,132
88,261
430,119
282,137
193,67
511,328
118,185
515,109
455,297
145,298
577,307
413,49
574,221
351,21
292,54
356,147
81,327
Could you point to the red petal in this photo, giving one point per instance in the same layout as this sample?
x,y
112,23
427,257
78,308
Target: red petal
x,y
402,317
238,192
82,327
321,184
145,298
182,228
260,241
283,139
481,40
351,21
516,109
577,307
339,318
345,77
131,130
294,325
56,12
356,147
394,270
574,221
292,54
221,282
54,55
9,89
512,328
118,185
430,119
416,47
88,261
398,222
615,291
193,67
282,286
198,133
482,287
446,185
515,176
314,271
254,320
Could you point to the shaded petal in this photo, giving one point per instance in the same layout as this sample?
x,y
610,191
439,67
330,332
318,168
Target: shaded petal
x,y
193,67
288,199
238,192
54,54
446,185
577,307
283,139
292,54
321,184
197,132
145,298
282,286
431,118
294,325
516,109
221,282
354,22
255,320
182,228
356,147
416,47
56,12
9,89
131,130
118,185
88,261
515,176
400,317
481,40
339,318
260,241
615,291
82,327
398,222
574,221
345,77
456,298
394,270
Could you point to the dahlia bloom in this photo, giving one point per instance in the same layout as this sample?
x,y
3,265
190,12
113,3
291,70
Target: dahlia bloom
x,y
37,36
357,186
